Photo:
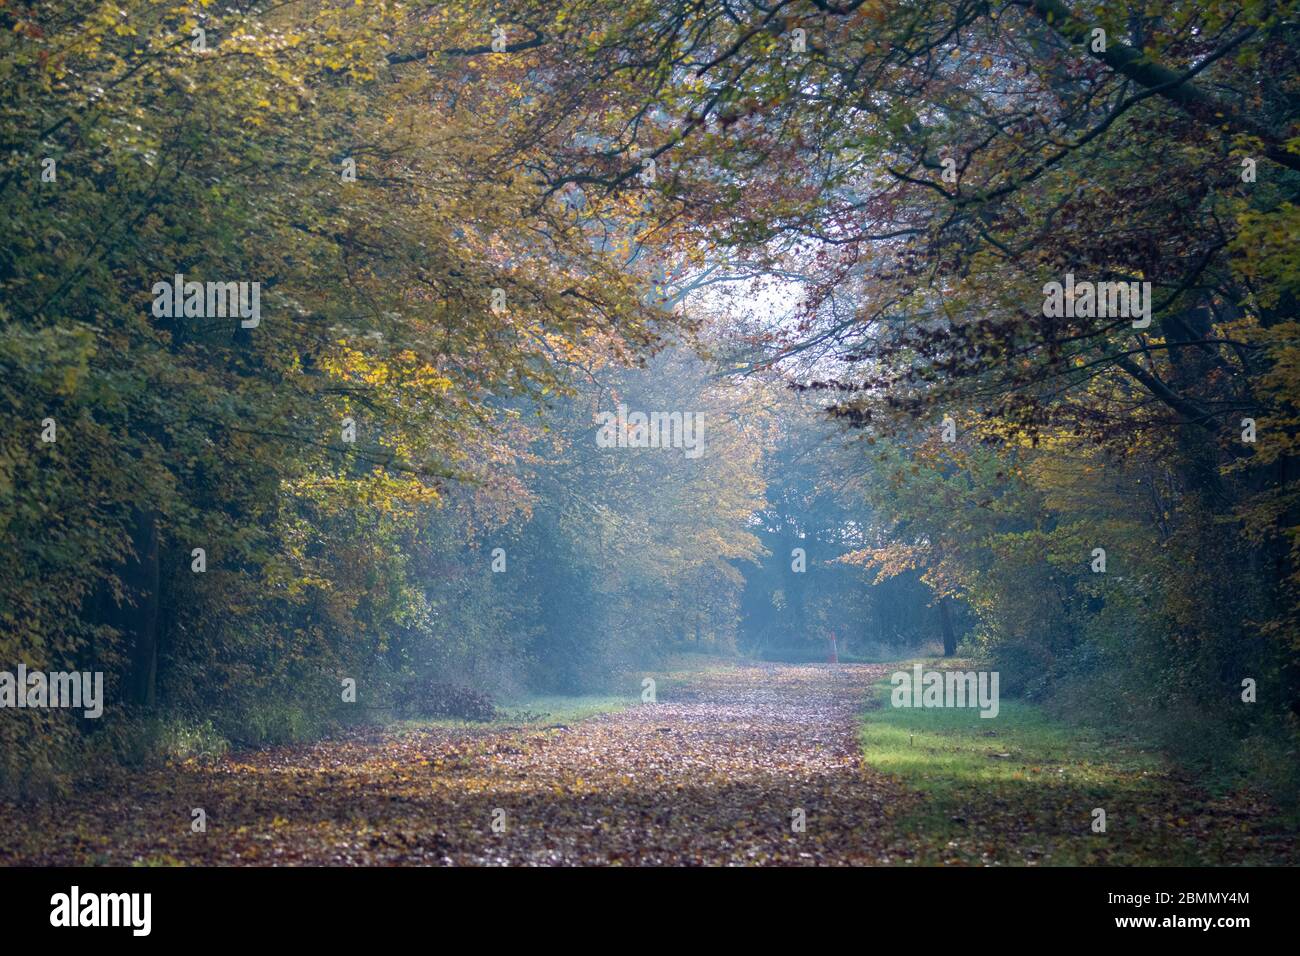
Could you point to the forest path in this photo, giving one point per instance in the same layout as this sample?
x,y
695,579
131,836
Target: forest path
x,y
712,773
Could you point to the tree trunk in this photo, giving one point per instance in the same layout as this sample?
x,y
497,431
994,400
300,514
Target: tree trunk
x,y
140,576
949,635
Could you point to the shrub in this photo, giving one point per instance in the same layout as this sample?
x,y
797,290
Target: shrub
x,y
424,697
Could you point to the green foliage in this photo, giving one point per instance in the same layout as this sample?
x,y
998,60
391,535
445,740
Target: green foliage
x,y
226,163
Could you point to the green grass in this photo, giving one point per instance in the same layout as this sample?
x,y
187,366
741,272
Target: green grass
x,y
946,751
553,709
1021,787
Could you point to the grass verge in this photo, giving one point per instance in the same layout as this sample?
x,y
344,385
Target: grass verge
x,y
1022,787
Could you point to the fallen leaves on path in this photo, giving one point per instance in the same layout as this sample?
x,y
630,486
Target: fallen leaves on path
x,y
712,774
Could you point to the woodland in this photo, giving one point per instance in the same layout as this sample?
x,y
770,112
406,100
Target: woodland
x,y
380,464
